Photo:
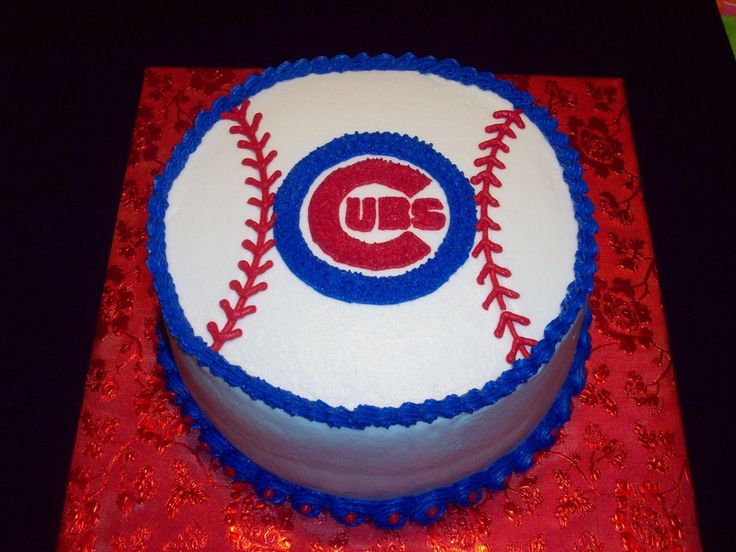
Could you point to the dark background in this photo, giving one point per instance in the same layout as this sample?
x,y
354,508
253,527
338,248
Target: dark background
x,y
69,91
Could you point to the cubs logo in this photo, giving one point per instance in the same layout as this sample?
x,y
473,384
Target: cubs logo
x,y
374,218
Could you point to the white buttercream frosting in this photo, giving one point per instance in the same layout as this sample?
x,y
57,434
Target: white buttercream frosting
x,y
349,354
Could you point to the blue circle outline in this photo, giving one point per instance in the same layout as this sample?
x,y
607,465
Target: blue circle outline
x,y
364,416
355,287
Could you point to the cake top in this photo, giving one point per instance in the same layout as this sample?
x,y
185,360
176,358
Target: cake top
x,y
372,231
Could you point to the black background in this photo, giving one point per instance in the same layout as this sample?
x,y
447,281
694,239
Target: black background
x,y
69,91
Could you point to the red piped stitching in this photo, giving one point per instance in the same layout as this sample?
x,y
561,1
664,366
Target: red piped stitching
x,y
486,178
262,226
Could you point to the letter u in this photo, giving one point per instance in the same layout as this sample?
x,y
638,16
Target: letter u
x,y
361,221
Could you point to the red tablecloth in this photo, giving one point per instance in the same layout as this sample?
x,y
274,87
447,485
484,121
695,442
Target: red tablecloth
x,y
617,479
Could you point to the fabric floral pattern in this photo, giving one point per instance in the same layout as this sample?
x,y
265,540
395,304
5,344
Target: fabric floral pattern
x,y
598,149
620,315
616,479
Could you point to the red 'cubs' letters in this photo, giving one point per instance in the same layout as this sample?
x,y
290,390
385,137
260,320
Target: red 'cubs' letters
x,y
393,213
366,214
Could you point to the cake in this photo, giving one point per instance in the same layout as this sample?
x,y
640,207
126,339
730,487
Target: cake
x,y
373,275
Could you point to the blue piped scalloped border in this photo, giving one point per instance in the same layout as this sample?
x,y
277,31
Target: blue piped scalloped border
x,y
365,415
412,508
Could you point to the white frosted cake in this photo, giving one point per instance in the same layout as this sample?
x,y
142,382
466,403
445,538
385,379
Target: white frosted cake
x,y
374,274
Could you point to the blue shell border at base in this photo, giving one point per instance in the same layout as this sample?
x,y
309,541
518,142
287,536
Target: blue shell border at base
x,y
395,512
364,416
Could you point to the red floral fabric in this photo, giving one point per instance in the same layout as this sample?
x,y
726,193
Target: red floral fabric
x,y
617,479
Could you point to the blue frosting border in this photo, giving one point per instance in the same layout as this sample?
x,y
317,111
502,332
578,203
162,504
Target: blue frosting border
x,y
366,415
274,489
355,287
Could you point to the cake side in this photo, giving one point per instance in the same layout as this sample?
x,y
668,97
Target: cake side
x,y
377,463
390,513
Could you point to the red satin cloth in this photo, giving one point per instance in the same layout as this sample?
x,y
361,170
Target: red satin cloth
x,y
617,479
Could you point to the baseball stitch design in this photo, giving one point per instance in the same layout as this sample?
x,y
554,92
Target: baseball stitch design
x,y
259,160
486,178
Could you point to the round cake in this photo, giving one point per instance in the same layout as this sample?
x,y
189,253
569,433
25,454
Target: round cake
x,y
373,274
